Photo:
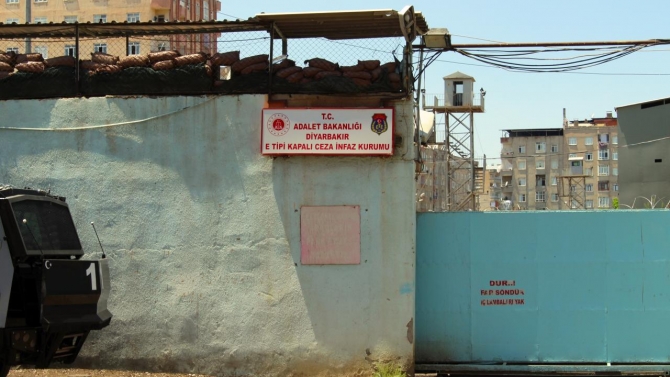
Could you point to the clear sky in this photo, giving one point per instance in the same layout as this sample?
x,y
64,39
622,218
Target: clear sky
x,y
529,100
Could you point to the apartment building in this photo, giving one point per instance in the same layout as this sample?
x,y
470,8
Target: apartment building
x,y
592,151
531,166
574,167
103,11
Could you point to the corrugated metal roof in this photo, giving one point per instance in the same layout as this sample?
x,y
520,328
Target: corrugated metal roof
x,y
121,29
383,23
459,75
379,23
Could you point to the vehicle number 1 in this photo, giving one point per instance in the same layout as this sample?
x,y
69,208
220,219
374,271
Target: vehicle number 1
x,y
91,271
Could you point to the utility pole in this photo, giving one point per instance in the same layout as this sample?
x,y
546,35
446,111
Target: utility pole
x,y
28,19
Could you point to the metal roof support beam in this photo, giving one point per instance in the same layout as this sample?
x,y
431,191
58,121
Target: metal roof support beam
x,y
284,43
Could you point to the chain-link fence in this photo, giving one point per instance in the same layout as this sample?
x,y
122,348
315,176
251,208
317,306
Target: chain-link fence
x,y
230,62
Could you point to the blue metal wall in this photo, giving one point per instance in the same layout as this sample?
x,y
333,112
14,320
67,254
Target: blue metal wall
x,y
580,287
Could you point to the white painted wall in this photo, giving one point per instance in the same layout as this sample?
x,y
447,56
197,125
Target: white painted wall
x,y
203,234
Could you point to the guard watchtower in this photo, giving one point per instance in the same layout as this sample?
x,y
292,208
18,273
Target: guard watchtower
x,y
458,105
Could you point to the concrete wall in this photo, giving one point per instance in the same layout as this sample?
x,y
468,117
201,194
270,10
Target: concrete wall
x,y
644,139
203,234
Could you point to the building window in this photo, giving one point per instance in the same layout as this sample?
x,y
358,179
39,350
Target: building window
x,y
589,156
615,155
70,50
603,170
540,180
554,148
588,171
603,139
540,196
522,149
603,202
12,49
70,19
603,186
603,154
572,155
554,181
12,20
539,163
540,147
574,204
100,47
160,18
554,197
572,141
41,20
12,1
554,163
615,140
615,187
522,198
588,141
521,164
522,181
133,48
43,50
99,18
133,17
589,187
40,1
589,203
615,171
573,188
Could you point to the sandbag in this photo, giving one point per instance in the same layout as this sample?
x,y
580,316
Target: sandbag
x,y
376,73
183,60
311,71
294,78
369,64
394,77
88,65
134,61
30,66
163,65
23,58
358,75
155,57
7,57
389,67
60,61
108,68
6,67
102,58
323,74
251,60
225,58
286,72
322,63
255,68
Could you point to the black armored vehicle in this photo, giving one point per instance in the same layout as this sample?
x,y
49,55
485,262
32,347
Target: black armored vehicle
x,y
50,298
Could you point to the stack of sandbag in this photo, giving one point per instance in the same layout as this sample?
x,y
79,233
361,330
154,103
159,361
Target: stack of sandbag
x,y
159,61
364,73
7,61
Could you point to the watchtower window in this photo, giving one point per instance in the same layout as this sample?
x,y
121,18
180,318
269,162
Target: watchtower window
x,y
458,93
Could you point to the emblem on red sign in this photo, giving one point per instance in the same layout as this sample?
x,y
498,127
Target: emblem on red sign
x,y
278,124
379,124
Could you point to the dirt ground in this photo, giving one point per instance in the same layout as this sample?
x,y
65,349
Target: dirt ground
x,y
107,373
90,373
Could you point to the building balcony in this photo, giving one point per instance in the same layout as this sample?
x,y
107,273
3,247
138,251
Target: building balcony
x,y
160,4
